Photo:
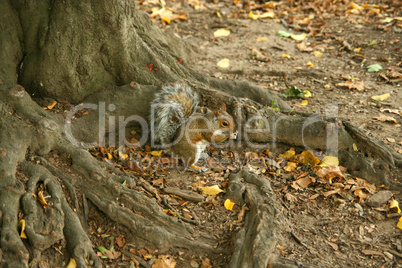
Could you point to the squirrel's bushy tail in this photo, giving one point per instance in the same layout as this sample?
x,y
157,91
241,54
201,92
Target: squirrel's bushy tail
x,y
171,108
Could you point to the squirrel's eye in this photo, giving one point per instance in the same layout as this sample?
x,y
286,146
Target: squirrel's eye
x,y
225,124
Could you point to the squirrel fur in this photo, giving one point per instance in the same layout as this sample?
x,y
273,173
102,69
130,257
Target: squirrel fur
x,y
181,129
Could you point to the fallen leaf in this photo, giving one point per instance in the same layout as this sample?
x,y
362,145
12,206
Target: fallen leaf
x,y
310,64
221,32
372,252
289,197
263,38
355,147
288,154
120,240
304,182
72,263
229,204
307,94
268,15
394,206
206,263
21,226
211,190
333,245
298,37
164,261
337,190
286,56
373,68
290,166
51,105
329,161
157,153
42,199
384,118
329,172
309,158
382,97
224,63
399,224
358,85
314,196
283,33
303,47
318,54
304,103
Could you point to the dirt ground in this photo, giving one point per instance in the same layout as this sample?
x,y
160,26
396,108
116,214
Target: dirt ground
x,y
326,227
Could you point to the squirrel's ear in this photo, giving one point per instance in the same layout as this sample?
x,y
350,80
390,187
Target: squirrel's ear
x,y
223,107
216,112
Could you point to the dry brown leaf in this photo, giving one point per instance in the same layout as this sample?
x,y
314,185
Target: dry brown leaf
x,y
206,263
384,118
358,85
326,194
333,245
372,252
51,105
304,182
289,197
314,196
120,240
164,261
303,47
329,172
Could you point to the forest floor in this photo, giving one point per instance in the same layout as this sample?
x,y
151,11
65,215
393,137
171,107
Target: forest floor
x,y
329,222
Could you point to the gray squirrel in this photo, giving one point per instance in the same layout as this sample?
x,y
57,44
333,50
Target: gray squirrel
x,y
181,129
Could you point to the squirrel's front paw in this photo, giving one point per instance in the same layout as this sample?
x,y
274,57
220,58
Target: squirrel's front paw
x,y
198,169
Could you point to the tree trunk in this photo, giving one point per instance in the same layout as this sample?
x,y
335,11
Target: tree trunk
x,y
91,52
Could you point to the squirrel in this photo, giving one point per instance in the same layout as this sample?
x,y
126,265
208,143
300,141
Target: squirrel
x,y
181,129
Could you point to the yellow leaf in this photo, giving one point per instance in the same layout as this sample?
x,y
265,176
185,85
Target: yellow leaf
x,y
298,37
72,263
357,49
356,6
21,225
253,16
287,155
224,63
268,15
329,161
286,56
51,105
355,147
318,54
166,19
308,157
310,64
109,156
123,156
394,205
221,32
304,103
211,190
264,38
229,204
307,94
382,97
156,153
290,166
399,224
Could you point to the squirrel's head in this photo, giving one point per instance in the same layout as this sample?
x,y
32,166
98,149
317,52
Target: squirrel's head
x,y
226,126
